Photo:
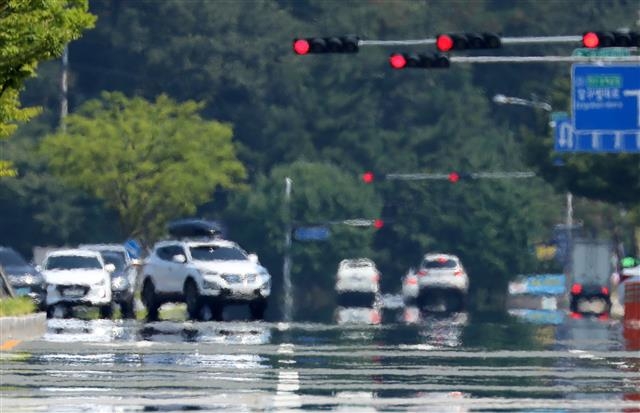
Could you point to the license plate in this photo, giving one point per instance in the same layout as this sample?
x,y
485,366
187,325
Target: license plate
x,y
73,292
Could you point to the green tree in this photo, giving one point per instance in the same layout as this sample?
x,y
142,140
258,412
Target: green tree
x,y
32,31
151,162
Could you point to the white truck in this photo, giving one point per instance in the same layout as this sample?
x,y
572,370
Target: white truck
x,y
589,276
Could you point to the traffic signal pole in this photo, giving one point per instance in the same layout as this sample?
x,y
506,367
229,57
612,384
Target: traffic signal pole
x,y
503,40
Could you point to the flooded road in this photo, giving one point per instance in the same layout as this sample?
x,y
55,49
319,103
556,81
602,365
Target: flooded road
x,y
402,361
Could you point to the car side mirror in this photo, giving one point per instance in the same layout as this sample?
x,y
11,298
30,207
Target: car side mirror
x,y
110,268
253,258
179,258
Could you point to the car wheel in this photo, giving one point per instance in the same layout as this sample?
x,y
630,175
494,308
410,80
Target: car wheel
x,y
149,300
127,310
257,309
51,311
193,300
106,311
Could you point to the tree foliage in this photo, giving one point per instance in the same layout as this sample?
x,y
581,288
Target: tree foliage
x,y
32,31
148,161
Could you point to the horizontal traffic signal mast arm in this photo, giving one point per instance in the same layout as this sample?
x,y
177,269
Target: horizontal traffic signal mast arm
x,y
541,59
472,175
503,40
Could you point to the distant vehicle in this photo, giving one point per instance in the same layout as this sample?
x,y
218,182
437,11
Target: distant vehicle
x,y
590,273
440,283
24,278
357,282
76,277
206,274
359,315
124,279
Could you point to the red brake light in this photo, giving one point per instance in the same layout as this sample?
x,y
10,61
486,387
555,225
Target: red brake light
x,y
397,61
375,317
458,272
575,315
576,289
375,278
412,280
301,46
444,43
442,260
605,290
422,273
590,40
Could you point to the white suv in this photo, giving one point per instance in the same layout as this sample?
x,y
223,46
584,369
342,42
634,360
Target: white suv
x,y
440,283
76,277
357,282
206,275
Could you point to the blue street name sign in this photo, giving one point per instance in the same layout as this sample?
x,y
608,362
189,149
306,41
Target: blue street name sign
x,y
317,233
606,98
133,248
567,139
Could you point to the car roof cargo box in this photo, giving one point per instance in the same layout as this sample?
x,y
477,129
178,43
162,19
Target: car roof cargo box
x,y
194,228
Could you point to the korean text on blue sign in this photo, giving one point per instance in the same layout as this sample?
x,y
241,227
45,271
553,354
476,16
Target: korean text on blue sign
x,y
606,98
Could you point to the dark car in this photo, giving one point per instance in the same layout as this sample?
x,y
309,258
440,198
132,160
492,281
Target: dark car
x,y
23,277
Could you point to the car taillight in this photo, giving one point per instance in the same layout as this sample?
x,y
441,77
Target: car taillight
x,y
375,317
375,278
605,290
458,272
575,315
411,280
576,289
422,273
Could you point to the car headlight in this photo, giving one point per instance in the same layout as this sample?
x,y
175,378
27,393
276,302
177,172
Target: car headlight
x,y
210,284
119,283
28,279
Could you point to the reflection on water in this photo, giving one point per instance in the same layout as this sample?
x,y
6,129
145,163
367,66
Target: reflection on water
x,y
409,361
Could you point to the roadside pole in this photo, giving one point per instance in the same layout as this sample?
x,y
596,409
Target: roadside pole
x,y
286,266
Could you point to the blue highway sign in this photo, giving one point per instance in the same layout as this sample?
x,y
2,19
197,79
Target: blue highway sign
x,y
606,98
317,233
567,139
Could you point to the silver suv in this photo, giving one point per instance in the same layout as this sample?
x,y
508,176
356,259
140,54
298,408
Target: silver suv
x,y
206,275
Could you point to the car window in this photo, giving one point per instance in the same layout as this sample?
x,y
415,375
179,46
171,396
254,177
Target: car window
x,y
358,264
217,253
168,252
439,263
115,258
70,262
10,258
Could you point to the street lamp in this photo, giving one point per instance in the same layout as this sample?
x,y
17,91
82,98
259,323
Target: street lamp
x,y
501,99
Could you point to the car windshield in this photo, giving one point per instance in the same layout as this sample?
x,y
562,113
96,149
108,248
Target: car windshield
x,y
439,263
216,253
115,258
10,258
70,262
358,264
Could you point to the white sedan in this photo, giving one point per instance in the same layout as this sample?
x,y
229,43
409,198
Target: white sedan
x,y
76,277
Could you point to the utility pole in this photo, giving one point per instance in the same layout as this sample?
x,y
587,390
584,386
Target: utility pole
x,y
286,266
64,106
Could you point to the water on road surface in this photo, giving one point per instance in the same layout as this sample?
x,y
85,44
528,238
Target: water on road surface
x,y
404,361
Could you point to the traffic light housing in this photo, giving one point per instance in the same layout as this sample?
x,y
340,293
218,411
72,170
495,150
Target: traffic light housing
x,y
422,61
449,42
315,45
593,40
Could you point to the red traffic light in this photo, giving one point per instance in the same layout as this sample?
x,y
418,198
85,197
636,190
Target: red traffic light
x,y
453,177
301,46
590,40
368,177
309,45
444,43
378,223
397,61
